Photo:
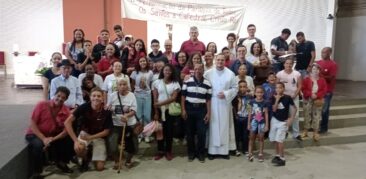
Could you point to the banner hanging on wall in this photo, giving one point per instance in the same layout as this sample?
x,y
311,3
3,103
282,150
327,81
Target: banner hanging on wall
x,y
219,17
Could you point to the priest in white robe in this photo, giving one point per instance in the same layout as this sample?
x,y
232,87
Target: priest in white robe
x,y
224,89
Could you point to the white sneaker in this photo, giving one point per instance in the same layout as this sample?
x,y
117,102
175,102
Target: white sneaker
x,y
147,139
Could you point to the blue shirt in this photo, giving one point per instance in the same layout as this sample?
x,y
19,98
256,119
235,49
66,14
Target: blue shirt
x,y
235,66
71,83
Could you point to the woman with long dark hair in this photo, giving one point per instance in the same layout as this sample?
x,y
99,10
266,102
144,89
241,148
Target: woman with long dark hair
x,y
51,73
73,48
165,92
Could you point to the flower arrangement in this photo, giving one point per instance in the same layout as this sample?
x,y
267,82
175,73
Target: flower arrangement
x,y
42,68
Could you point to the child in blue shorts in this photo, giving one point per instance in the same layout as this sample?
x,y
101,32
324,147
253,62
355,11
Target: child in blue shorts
x,y
257,122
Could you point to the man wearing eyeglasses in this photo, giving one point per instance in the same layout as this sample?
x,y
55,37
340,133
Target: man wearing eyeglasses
x,y
248,41
169,53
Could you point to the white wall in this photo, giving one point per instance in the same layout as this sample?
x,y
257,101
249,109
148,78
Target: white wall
x,y
349,51
270,17
36,25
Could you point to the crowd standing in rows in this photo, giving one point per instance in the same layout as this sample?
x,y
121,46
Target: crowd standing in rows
x,y
220,102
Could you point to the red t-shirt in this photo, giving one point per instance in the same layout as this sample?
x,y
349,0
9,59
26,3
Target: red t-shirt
x,y
187,71
328,68
172,60
134,60
42,116
191,47
105,63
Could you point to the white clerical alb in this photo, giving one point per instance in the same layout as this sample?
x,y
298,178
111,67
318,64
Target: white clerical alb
x,y
221,128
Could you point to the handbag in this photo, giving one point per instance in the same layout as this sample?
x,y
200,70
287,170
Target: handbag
x,y
137,128
174,108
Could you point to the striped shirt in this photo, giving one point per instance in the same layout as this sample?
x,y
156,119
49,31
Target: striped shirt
x,y
195,91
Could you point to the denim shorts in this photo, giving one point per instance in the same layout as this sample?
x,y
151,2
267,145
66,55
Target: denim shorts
x,y
257,127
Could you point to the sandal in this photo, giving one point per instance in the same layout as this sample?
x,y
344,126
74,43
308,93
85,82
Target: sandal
x,y
237,153
115,166
250,157
128,164
260,158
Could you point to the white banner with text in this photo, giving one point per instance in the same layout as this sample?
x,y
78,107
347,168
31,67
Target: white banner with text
x,y
219,17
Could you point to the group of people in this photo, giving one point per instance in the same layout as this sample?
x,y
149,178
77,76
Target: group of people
x,y
223,101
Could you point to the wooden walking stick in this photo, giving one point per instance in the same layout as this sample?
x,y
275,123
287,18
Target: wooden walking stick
x,y
122,148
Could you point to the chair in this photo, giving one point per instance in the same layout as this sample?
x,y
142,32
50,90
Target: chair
x,y
32,53
2,62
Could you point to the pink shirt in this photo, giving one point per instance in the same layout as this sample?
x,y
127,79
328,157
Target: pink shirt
x,y
171,60
191,47
42,117
290,81
328,68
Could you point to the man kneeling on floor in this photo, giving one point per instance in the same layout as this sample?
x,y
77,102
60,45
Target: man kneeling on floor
x,y
283,105
95,123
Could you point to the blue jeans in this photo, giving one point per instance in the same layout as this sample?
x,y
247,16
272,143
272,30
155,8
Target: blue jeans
x,y
143,107
325,112
303,73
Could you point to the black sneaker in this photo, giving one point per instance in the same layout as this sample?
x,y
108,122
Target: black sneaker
x,y
190,158
280,162
275,159
298,138
210,157
201,158
232,152
227,157
84,166
322,132
63,167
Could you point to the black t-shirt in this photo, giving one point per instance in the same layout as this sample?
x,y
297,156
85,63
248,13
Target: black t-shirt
x,y
81,58
98,52
281,45
303,56
49,75
283,108
157,57
93,122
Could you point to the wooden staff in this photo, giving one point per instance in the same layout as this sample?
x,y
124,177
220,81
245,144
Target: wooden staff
x,y
122,148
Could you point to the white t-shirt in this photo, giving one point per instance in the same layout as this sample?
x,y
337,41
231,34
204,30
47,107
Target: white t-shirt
x,y
250,83
290,81
98,80
248,44
110,83
155,77
128,104
253,59
142,79
170,88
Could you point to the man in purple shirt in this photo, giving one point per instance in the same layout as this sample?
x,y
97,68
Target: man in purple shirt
x,y
193,44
